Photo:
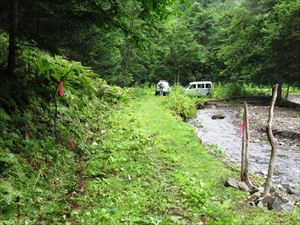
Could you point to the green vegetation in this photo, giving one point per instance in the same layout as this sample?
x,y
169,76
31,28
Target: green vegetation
x,y
45,139
139,41
181,104
151,169
76,149
240,90
142,166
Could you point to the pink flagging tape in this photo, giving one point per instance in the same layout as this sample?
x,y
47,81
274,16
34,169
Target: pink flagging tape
x,y
242,127
61,88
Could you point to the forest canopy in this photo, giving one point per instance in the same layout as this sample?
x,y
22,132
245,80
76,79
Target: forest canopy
x,y
142,41
78,148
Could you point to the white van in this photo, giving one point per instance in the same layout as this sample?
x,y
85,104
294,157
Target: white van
x,y
162,88
198,88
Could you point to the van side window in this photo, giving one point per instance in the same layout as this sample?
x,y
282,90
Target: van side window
x,y
201,85
208,85
193,86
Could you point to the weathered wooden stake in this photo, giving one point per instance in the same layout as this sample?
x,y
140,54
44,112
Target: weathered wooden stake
x,y
273,144
245,148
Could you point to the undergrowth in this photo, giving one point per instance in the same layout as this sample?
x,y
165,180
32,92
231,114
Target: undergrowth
x,y
182,104
229,90
151,169
243,90
105,155
46,139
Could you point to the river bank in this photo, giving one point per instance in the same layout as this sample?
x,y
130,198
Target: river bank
x,y
159,173
225,134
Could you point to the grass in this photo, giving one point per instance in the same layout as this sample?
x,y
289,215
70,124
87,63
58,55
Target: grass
x,y
151,169
231,90
140,164
134,161
292,89
236,90
45,140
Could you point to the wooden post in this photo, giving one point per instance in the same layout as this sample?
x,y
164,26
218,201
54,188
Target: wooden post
x,y
272,143
245,148
247,138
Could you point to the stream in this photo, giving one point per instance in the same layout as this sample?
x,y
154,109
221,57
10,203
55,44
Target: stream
x,y
225,134
294,98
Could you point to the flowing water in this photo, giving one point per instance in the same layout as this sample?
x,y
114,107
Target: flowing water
x,y
226,135
294,98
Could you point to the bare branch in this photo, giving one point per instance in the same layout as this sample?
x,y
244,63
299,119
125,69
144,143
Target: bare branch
x,y
273,144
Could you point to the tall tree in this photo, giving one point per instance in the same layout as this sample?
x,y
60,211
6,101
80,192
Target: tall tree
x,y
12,53
56,25
260,44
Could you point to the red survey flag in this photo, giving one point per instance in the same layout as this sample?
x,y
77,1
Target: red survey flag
x,y
242,126
61,88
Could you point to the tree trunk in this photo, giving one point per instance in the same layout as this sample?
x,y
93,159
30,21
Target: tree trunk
x,y
178,75
279,92
287,92
272,143
12,50
129,46
245,147
126,63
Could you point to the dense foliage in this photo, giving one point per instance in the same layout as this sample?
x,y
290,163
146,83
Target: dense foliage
x,y
44,137
60,154
138,41
261,43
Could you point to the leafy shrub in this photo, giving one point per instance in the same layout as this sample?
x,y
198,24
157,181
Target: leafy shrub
x,y
6,161
8,197
140,91
180,104
228,90
293,89
3,48
44,138
239,90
